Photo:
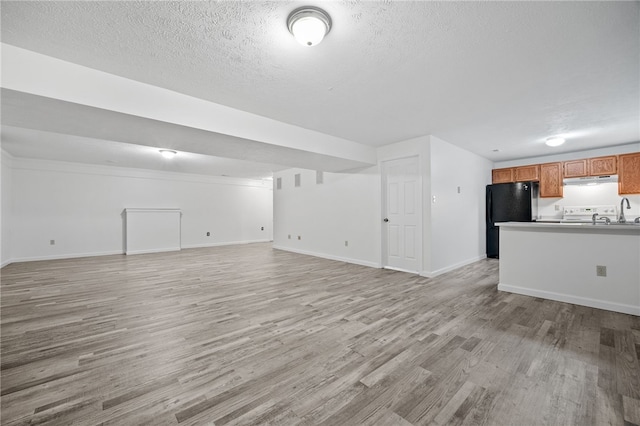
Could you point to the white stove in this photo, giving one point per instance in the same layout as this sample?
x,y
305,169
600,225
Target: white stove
x,y
585,213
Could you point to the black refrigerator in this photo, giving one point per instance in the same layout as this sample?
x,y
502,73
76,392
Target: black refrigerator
x,y
509,202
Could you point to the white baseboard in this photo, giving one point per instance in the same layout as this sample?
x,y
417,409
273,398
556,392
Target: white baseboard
x,y
330,257
162,250
110,253
576,300
432,274
63,256
228,243
391,268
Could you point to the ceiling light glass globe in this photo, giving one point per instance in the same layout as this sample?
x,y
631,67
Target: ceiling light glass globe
x,y
309,31
555,141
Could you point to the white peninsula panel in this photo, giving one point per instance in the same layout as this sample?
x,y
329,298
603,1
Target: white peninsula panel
x,y
560,262
152,230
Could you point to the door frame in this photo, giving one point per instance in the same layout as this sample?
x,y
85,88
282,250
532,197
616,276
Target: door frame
x,y
383,211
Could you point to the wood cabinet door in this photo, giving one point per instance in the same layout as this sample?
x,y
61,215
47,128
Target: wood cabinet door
x,y
502,175
603,166
551,180
527,173
576,168
629,173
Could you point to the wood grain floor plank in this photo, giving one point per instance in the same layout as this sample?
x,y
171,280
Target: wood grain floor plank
x,y
249,335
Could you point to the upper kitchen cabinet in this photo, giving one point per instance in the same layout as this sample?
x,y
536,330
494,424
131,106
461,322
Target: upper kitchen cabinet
x,y
576,168
527,173
502,175
603,166
551,180
629,173
516,174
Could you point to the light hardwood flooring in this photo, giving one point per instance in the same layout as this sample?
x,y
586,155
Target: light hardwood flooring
x,y
245,335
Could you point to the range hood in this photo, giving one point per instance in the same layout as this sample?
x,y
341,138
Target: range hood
x,y
590,180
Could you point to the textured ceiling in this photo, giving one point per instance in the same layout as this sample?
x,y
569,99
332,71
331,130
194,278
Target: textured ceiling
x,y
481,75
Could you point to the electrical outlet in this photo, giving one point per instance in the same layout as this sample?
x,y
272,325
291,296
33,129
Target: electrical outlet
x,y
601,271
289,236
557,206
262,228
346,243
52,242
458,190
299,237
208,234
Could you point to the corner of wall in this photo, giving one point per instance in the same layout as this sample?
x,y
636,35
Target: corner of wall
x,y
6,201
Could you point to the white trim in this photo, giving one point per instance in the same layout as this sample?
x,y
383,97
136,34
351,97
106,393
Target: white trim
x,y
156,210
391,268
576,300
65,256
114,252
432,274
226,243
162,250
330,257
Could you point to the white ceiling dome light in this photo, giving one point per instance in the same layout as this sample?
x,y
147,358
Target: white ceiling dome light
x,y
309,25
555,141
168,153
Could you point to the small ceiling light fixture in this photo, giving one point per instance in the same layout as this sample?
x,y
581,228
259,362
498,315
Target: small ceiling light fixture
x,y
554,141
309,25
168,153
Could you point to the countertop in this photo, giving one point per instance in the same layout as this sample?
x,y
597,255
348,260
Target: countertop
x,y
627,228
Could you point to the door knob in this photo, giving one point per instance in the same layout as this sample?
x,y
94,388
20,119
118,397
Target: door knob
x,y
385,219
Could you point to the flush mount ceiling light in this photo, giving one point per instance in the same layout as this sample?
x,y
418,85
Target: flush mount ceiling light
x,y
309,25
554,141
167,153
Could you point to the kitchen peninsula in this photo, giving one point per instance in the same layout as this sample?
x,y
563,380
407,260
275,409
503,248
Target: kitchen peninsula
x,y
584,264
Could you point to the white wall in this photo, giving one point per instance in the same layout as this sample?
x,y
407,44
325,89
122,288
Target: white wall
x,y
569,271
5,188
457,218
345,207
579,195
348,207
81,208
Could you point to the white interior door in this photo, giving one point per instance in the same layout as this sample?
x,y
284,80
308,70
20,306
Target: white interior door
x,y
402,235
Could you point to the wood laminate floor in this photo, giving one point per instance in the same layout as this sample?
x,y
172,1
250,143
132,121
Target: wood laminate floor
x,y
245,335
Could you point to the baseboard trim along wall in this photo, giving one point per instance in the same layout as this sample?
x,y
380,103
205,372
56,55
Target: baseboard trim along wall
x,y
62,256
330,257
433,274
226,243
576,300
110,253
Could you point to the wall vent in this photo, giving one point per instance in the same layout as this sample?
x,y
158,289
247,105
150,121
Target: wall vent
x,y
297,179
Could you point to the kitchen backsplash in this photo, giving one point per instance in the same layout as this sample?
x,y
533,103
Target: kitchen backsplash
x,y
575,195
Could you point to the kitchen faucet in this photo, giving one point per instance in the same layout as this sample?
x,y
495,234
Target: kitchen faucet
x,y
607,221
621,218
